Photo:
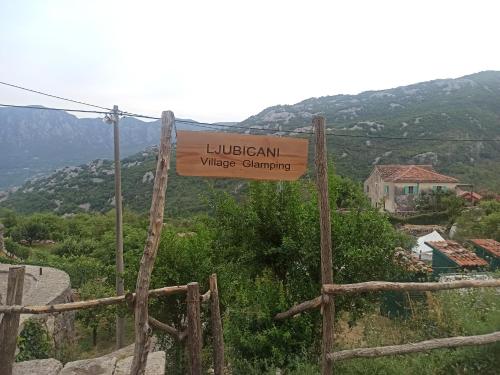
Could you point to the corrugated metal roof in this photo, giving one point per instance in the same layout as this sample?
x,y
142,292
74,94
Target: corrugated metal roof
x,y
412,173
491,246
458,254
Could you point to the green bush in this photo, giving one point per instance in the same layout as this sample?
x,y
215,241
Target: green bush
x,y
18,250
72,246
33,342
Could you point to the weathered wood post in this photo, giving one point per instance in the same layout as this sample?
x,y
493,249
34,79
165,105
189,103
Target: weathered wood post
x,y
120,288
328,307
142,329
217,333
10,322
194,328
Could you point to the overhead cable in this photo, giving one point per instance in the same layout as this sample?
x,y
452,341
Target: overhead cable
x,y
53,96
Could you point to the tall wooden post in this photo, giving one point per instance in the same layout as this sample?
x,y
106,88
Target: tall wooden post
x,y
328,307
142,329
217,333
194,328
10,322
120,289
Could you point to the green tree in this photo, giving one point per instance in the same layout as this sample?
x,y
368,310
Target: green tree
x,y
272,238
100,316
30,230
482,221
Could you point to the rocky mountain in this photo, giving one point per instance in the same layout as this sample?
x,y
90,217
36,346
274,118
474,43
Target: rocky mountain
x,y
34,142
466,107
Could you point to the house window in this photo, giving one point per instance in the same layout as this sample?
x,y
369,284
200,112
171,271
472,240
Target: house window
x,y
439,188
386,189
410,190
367,188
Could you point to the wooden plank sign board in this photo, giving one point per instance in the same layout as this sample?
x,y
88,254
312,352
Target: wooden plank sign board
x,y
255,157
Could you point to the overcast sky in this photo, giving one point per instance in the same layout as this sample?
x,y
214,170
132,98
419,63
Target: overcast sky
x,y
227,60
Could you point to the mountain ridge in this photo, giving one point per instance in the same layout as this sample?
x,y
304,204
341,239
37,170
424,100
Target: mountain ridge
x,y
465,107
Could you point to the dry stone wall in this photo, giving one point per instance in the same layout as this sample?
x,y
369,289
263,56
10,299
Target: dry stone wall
x,y
45,286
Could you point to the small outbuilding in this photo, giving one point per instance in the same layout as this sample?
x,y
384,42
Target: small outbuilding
x,y
451,257
423,251
489,250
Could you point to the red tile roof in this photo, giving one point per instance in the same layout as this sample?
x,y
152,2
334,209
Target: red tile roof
x,y
467,195
458,254
412,173
491,246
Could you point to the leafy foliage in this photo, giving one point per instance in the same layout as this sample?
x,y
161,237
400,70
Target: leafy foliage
x,y
20,251
33,341
100,316
272,239
482,221
440,201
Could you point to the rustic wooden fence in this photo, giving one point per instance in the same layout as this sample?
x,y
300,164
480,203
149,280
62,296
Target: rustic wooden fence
x,y
9,325
328,291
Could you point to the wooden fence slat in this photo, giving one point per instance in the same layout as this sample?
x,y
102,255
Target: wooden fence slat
x,y
217,332
61,307
381,351
10,322
194,328
377,286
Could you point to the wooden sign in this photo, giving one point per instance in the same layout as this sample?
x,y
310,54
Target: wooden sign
x,y
255,157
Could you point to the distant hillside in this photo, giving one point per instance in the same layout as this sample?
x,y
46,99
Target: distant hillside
x,y
34,142
466,107
90,187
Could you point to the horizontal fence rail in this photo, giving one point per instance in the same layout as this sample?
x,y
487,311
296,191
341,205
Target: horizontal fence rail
x,y
379,286
381,351
70,306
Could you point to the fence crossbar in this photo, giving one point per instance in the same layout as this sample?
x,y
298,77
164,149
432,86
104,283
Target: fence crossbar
x,y
70,306
422,346
378,286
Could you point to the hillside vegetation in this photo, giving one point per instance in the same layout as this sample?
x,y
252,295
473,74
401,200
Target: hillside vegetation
x,y
90,187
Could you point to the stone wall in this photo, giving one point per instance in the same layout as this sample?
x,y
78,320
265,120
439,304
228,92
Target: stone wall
x,y
111,364
45,286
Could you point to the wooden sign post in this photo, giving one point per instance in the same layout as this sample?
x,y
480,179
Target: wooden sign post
x,y
328,307
256,157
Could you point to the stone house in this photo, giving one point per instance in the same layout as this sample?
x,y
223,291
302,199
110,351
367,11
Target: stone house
x,y
394,187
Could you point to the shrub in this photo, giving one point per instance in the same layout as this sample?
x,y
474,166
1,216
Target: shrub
x,y
33,341
18,250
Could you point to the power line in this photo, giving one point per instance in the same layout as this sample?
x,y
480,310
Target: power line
x,y
53,96
51,108
218,125
196,123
